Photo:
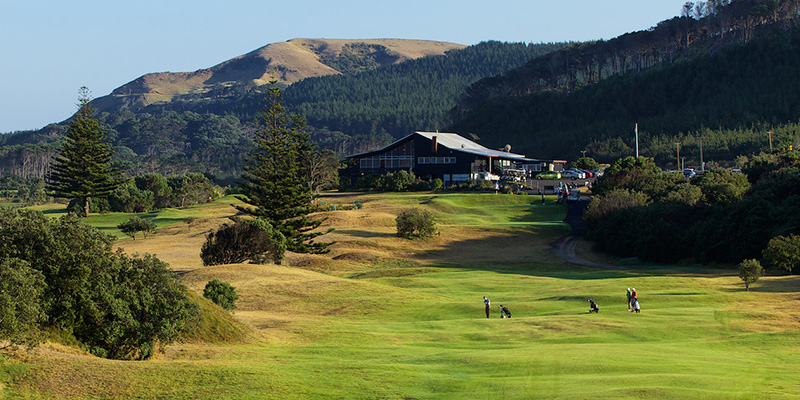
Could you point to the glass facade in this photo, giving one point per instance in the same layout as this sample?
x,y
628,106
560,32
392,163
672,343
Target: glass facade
x,y
400,157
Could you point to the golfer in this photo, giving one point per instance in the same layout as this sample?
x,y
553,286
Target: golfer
x,y
487,303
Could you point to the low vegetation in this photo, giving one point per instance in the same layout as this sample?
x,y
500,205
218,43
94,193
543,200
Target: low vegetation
x,y
115,305
416,223
135,225
221,293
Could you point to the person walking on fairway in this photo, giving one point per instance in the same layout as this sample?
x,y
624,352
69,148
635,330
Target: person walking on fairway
x,y
486,302
629,299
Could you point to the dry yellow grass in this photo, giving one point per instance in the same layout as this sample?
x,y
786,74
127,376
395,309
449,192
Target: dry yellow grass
x,y
287,62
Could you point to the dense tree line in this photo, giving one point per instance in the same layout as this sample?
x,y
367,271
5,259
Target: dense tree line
x,y
152,191
413,95
716,217
703,26
730,85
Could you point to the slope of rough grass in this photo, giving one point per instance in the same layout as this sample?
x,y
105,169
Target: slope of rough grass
x,y
385,317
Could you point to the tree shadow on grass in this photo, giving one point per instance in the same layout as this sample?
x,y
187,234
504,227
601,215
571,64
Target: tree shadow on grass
x,y
364,234
514,254
788,284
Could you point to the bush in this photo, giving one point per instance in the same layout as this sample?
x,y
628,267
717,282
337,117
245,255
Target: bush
x,y
417,223
20,319
147,307
116,306
136,224
251,239
783,252
221,293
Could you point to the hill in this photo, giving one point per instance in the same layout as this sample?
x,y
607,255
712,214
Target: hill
x,y
723,72
286,62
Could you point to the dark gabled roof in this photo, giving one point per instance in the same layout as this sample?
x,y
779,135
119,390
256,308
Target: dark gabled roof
x,y
456,142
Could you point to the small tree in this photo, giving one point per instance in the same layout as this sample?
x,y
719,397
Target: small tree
x,y
749,272
250,239
136,224
221,293
783,252
415,222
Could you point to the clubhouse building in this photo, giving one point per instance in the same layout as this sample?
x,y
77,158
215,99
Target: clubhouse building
x,y
447,156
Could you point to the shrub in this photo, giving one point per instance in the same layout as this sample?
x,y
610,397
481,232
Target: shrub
x,y
136,224
250,239
783,252
749,272
148,307
604,205
19,323
221,293
417,223
116,306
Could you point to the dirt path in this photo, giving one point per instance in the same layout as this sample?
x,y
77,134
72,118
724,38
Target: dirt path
x,y
564,248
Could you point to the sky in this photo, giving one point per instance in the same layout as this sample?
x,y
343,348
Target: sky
x,y
50,48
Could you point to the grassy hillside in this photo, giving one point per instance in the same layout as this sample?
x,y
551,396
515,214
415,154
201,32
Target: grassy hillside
x,y
286,62
384,317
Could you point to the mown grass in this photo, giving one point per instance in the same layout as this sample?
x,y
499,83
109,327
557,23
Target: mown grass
x,y
388,318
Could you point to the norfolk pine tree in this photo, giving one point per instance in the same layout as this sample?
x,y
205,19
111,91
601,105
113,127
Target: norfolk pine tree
x,y
84,168
276,177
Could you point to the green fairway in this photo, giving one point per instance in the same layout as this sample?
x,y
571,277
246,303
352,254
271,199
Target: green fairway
x,y
382,317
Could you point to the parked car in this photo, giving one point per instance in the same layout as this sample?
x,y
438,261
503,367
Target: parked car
x,y
549,175
573,174
597,173
589,174
574,196
487,176
689,173
578,173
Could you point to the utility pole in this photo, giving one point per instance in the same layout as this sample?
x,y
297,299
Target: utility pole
x,y
683,163
702,164
678,159
770,141
583,153
636,129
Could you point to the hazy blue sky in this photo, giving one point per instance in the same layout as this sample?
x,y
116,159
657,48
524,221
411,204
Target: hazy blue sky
x,y
50,48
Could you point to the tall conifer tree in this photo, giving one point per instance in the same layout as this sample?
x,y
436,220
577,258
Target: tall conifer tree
x,y
276,177
84,168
